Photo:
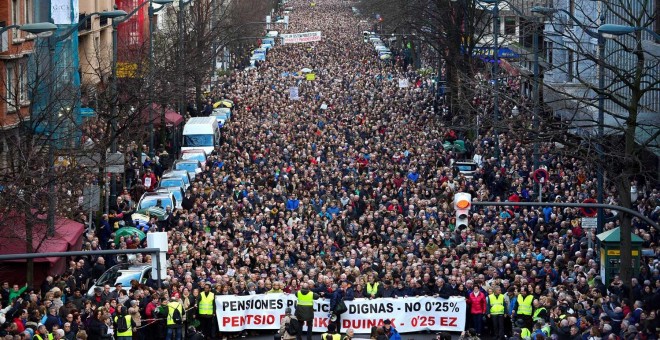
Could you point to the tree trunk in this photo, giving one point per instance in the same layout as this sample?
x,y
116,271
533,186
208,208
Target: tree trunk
x,y
626,264
29,249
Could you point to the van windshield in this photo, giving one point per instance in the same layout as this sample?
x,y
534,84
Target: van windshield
x,y
197,140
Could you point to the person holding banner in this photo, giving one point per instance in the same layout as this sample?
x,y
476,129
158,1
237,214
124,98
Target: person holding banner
x,y
496,312
337,305
390,332
305,310
206,310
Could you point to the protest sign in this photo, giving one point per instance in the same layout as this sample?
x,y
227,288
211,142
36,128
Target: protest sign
x,y
295,38
412,314
293,93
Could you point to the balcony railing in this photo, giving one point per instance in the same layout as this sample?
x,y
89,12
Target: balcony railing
x,y
87,25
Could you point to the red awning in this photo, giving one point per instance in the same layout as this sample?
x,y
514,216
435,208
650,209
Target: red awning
x,y
172,118
68,237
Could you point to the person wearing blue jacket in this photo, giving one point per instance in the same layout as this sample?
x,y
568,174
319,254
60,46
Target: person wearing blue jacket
x,y
390,331
345,293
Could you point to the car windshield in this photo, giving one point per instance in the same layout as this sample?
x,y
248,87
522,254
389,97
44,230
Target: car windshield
x,y
151,202
194,156
190,167
197,140
128,276
171,182
466,167
108,277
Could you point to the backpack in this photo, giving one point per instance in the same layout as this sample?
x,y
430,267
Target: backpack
x,y
122,325
292,326
176,317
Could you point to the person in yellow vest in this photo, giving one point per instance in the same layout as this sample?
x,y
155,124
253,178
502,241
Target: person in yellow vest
x,y
305,310
128,333
331,333
206,311
373,289
174,319
540,313
496,311
524,310
41,333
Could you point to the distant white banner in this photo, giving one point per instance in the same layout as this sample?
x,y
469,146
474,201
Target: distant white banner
x,y
64,12
296,38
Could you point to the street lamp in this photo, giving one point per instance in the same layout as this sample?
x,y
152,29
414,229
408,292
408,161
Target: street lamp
x,y
611,31
113,84
600,217
51,114
41,29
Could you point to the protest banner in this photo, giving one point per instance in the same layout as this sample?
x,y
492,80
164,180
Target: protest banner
x,y
295,38
412,314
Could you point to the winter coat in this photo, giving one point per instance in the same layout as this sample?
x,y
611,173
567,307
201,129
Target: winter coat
x,y
283,333
304,313
477,302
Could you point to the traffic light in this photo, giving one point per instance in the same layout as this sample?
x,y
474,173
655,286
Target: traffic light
x,y
462,204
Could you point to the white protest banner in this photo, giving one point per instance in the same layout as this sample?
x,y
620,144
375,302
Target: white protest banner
x,y
413,314
403,82
293,93
295,38
64,12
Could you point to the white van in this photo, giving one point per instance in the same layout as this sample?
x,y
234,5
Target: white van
x,y
201,133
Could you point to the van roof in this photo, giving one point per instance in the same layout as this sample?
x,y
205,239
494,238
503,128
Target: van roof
x,y
200,121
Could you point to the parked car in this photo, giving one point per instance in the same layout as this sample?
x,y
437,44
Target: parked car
x,y
122,273
150,199
182,174
467,168
193,167
194,154
176,191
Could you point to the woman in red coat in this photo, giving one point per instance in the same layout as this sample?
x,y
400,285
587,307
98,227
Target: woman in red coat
x,y
477,301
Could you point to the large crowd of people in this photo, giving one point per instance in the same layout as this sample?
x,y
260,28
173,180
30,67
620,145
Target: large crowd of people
x,y
349,188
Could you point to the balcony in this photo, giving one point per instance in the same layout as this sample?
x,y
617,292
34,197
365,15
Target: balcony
x,y
104,21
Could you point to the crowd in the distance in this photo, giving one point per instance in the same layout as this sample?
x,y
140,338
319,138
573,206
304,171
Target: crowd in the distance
x,y
351,183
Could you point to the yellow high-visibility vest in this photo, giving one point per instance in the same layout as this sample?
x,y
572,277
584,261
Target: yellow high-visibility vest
x,y
525,333
206,303
496,304
170,312
525,304
129,331
372,290
536,316
305,299
334,336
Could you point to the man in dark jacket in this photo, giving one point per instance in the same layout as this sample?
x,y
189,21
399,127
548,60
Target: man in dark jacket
x,y
305,310
344,293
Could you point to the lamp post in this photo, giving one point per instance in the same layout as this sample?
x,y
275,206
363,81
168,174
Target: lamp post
x,y
152,13
610,31
179,64
113,86
496,63
42,29
600,217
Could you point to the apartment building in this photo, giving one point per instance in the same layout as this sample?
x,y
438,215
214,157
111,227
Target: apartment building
x,y
15,48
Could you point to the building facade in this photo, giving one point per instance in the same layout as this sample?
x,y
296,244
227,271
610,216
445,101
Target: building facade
x,y
16,47
94,49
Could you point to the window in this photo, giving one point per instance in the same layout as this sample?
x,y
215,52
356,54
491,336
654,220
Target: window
x,y
15,19
510,25
22,83
28,10
10,85
548,51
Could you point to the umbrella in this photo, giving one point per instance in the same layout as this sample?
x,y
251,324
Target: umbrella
x,y
306,70
158,213
224,102
128,231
